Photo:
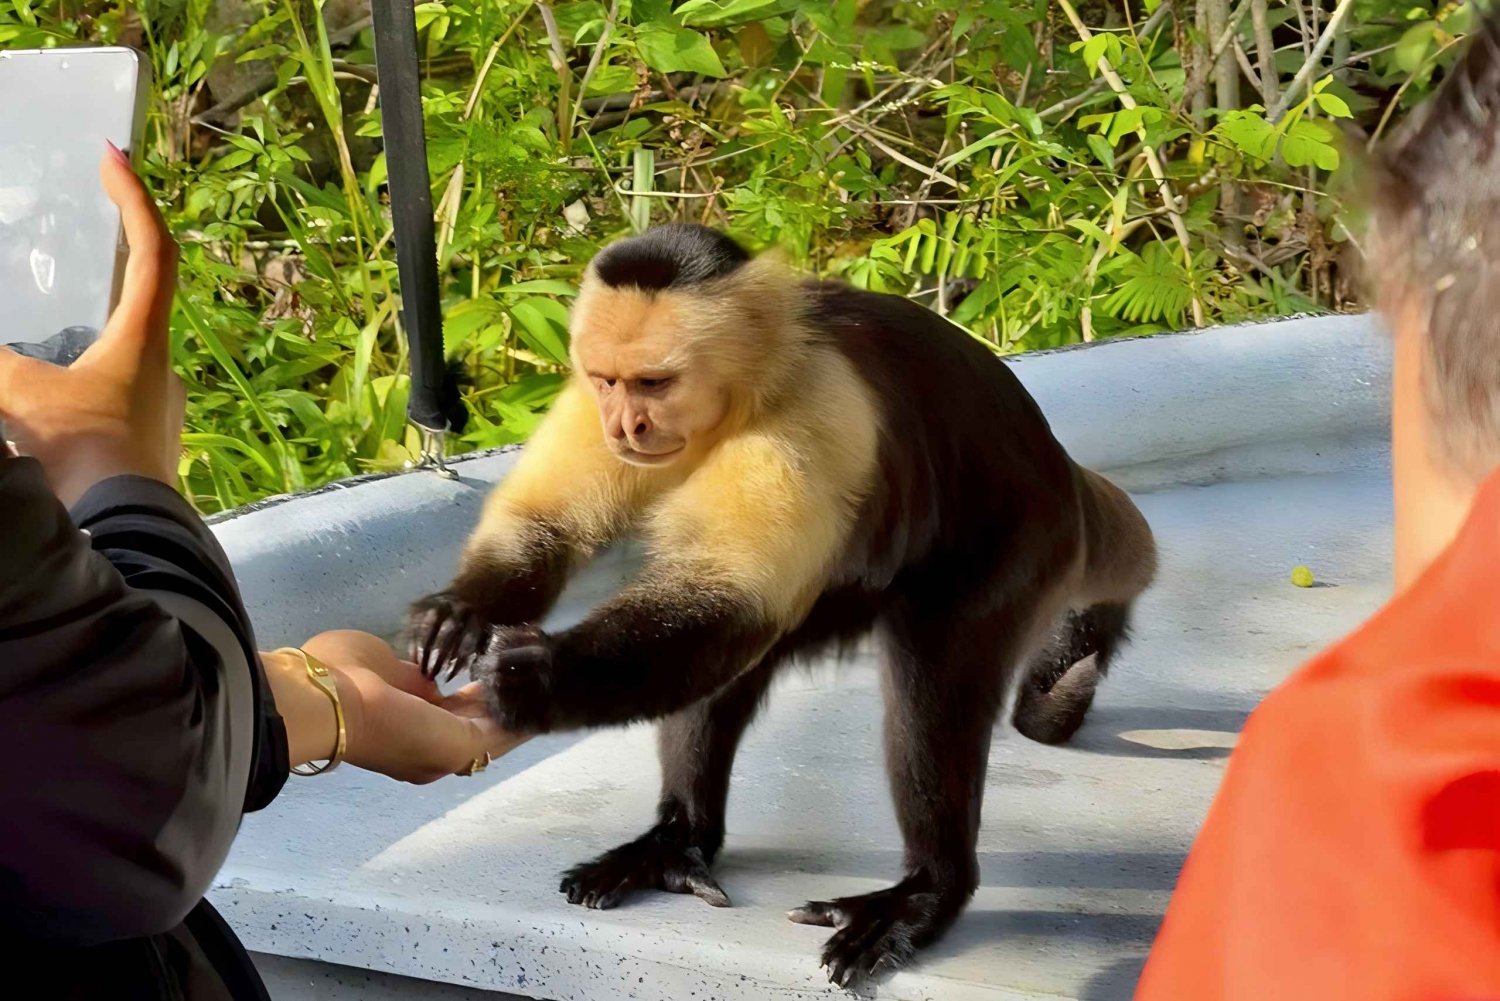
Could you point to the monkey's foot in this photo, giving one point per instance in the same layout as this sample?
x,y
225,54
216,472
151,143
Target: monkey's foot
x,y
654,861
880,932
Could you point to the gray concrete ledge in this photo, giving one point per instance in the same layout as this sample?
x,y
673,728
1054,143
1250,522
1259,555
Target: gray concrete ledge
x,y
1253,450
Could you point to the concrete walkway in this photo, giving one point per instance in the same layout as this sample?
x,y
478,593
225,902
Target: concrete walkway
x,y
457,882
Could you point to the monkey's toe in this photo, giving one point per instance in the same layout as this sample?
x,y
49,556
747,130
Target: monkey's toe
x,y
880,932
651,862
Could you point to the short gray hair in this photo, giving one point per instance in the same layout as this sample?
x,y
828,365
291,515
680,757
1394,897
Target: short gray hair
x,y
1435,247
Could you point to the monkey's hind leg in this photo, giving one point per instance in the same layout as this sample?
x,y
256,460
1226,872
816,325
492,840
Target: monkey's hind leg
x,y
1058,686
944,685
697,747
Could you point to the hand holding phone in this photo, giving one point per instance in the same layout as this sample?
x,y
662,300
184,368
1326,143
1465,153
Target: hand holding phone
x,y
118,409
61,259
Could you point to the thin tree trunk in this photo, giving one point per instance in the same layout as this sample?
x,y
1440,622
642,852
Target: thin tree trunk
x,y
1226,78
1198,67
1265,54
1341,52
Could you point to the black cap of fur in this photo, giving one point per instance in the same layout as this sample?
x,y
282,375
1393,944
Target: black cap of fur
x,y
675,255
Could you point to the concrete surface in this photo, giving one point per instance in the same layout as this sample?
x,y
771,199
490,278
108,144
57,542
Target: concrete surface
x,y
309,980
1251,450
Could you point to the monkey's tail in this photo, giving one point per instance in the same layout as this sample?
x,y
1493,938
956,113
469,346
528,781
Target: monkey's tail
x,y
1058,686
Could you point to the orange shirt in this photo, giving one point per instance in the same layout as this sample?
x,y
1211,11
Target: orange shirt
x,y
1353,851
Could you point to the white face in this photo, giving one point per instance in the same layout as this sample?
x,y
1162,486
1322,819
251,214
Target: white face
x,y
656,401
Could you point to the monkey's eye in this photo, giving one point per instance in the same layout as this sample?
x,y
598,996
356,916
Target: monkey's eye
x,y
607,383
655,383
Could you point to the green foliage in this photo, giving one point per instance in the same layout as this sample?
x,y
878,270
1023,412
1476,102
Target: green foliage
x,y
981,155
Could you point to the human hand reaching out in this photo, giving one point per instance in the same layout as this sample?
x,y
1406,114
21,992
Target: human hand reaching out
x,y
398,723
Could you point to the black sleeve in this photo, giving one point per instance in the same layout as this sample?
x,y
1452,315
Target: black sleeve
x,y
135,721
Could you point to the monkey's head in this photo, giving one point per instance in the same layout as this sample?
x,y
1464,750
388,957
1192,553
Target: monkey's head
x,y
680,336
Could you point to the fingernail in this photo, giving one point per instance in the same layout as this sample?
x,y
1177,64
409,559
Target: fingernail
x,y
117,153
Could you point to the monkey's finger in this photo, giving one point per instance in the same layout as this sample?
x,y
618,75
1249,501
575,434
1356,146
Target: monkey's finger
x,y
703,886
822,913
473,642
423,629
449,634
848,951
432,627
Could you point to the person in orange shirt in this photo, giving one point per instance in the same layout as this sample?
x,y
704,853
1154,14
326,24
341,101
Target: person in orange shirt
x,y
1353,851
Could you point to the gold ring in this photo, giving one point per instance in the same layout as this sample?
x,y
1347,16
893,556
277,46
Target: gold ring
x,y
478,765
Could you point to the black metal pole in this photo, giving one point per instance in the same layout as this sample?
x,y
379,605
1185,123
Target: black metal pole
x,y
396,60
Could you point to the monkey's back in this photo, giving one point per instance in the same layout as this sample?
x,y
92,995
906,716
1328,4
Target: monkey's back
x,y
969,470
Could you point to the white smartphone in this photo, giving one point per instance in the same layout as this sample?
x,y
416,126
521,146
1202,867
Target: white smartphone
x,y
62,251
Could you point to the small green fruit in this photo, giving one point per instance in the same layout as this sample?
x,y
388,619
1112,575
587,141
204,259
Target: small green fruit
x,y
1302,577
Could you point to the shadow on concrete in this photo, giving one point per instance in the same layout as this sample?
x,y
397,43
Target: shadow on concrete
x,y
980,930
1116,982
1026,869
1106,725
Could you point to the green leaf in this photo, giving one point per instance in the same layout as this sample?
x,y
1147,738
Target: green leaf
x,y
465,319
612,80
1093,51
1102,150
1249,132
236,158
540,286
647,11
677,50
1460,21
263,52
428,12
543,324
719,13
1091,229
1156,287
1309,143
1334,106
1414,45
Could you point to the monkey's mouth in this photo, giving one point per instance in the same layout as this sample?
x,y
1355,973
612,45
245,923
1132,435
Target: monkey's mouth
x,y
638,458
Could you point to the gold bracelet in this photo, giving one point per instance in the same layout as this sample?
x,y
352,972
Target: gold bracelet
x,y
321,677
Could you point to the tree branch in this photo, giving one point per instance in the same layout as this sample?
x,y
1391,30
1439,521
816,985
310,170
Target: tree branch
x,y
1152,160
1068,106
1308,68
597,57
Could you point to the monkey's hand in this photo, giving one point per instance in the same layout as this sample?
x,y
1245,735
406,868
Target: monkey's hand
x,y
517,667
446,634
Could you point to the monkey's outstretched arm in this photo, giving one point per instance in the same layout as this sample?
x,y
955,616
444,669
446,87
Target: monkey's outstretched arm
x,y
739,553
566,497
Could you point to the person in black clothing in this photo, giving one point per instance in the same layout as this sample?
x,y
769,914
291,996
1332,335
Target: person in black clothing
x,y
138,721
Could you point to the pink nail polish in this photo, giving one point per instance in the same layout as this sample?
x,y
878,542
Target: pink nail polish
x,y
117,153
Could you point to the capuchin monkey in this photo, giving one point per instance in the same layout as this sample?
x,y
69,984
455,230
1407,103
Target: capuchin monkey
x,y
808,464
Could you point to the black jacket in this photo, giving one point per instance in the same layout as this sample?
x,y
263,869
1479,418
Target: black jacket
x,y
136,726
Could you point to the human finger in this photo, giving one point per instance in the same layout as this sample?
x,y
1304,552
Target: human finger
x,y
151,270
19,377
350,648
408,738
